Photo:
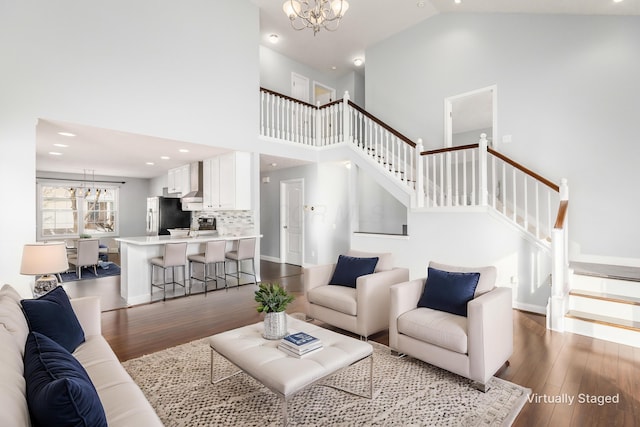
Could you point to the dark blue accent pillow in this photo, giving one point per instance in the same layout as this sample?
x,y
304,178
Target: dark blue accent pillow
x,y
59,390
349,268
52,315
448,291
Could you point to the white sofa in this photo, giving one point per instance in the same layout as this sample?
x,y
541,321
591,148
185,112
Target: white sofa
x,y
363,310
123,401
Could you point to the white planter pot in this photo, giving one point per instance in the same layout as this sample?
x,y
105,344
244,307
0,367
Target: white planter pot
x,y
275,325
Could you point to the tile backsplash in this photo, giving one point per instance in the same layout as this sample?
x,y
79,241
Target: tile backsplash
x,y
229,222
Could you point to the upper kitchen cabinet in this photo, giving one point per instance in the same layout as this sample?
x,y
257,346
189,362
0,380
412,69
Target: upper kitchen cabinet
x,y
227,182
178,180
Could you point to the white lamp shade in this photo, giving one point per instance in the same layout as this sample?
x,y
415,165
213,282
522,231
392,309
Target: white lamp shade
x,y
44,258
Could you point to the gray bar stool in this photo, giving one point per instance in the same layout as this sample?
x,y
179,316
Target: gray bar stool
x,y
175,255
244,249
214,253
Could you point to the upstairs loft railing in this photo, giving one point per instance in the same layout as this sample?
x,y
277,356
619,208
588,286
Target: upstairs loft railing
x,y
464,176
288,119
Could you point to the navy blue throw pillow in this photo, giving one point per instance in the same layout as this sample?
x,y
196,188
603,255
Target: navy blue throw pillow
x,y
52,315
448,291
59,390
349,268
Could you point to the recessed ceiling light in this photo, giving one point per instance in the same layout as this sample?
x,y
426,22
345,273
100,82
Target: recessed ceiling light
x,y
55,153
358,62
149,163
420,3
334,67
165,157
274,164
66,134
60,145
457,1
273,38
617,1
183,150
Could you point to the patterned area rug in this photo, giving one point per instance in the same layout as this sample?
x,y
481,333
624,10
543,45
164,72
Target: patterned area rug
x,y
407,392
104,269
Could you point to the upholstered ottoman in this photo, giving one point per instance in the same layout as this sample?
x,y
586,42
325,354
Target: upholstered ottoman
x,y
286,375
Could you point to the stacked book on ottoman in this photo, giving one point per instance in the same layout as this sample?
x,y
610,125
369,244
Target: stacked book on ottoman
x,y
299,344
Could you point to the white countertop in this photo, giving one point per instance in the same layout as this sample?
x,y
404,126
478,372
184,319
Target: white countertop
x,y
160,240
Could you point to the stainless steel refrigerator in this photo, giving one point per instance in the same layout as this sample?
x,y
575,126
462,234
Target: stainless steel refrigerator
x,y
164,213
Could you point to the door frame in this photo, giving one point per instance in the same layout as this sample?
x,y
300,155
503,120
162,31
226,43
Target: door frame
x,y
283,245
448,118
329,89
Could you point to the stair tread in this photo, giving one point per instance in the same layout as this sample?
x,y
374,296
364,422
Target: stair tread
x,y
607,271
604,320
605,296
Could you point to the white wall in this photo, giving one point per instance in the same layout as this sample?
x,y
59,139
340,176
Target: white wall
x,y
472,239
568,93
154,67
276,69
378,210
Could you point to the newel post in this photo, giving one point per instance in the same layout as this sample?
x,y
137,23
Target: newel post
x,y
482,166
419,174
346,119
559,301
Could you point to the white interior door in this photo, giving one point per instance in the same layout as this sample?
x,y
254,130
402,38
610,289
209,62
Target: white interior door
x,y
299,87
291,221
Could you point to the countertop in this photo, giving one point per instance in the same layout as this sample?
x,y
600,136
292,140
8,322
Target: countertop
x,y
160,240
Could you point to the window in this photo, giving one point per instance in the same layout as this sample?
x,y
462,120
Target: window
x,y
71,211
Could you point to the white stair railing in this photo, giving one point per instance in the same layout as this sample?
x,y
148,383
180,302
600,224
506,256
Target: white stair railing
x,y
393,151
472,175
287,119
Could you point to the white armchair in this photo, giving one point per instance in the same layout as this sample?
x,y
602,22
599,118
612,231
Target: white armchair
x,y
474,347
363,310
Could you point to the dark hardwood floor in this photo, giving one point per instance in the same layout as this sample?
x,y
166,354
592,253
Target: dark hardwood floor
x,y
554,365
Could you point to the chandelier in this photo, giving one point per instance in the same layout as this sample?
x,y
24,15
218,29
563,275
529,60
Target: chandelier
x,y
315,14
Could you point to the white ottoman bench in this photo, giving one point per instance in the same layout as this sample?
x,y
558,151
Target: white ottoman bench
x,y
286,375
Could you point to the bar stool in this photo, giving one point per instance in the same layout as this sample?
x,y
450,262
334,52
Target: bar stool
x,y
175,255
244,250
214,253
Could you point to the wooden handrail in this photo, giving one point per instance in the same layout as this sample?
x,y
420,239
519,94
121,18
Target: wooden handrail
x,y
449,149
562,214
525,170
287,97
383,125
329,104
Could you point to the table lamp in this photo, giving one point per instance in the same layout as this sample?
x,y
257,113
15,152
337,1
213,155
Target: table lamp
x,y
44,260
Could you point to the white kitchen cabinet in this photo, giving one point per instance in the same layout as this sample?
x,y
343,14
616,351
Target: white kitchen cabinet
x,y
178,180
227,182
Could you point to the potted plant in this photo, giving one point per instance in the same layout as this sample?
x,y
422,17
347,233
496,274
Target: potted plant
x,y
272,300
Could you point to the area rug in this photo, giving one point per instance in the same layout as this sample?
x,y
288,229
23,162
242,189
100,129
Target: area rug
x,y
104,270
408,392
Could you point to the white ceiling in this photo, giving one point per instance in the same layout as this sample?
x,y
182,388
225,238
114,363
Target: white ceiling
x,y
366,22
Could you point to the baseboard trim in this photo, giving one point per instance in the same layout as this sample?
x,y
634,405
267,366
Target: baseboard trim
x,y
530,307
270,259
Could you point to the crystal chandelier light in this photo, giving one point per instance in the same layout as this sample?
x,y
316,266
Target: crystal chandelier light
x,y
315,14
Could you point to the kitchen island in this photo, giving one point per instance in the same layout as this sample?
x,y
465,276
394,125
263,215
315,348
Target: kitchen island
x,y
136,252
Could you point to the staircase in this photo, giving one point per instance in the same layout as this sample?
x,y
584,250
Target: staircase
x,y
604,306
604,302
